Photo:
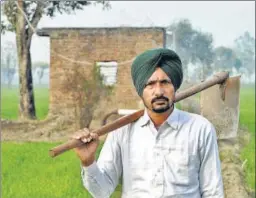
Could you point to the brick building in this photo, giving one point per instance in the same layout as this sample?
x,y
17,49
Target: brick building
x,y
81,48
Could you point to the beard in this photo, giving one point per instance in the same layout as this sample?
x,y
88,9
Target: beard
x,y
160,104
161,109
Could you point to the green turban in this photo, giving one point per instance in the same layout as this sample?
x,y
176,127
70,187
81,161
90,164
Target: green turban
x,y
145,65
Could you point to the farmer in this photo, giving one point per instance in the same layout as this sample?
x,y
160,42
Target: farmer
x,y
165,153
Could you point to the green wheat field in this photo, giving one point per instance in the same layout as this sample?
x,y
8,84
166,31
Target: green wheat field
x,y
28,171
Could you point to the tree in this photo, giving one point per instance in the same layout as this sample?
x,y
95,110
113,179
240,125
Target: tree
x,y
203,52
34,10
192,45
40,68
226,58
8,61
245,50
238,64
182,36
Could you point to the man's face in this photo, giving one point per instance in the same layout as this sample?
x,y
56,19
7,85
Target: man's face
x,y
159,93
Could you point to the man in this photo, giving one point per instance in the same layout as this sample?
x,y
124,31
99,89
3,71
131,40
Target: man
x,y
165,153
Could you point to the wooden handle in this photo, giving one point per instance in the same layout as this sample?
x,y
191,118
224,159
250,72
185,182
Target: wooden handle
x,y
218,78
65,147
101,131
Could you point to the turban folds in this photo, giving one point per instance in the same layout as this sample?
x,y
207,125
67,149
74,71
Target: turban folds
x,y
146,63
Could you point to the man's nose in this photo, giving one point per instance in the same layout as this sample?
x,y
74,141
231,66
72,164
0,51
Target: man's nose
x,y
159,91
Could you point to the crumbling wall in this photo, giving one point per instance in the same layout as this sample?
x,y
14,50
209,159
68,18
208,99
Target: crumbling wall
x,y
93,45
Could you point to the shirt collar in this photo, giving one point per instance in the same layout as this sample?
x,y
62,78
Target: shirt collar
x,y
145,119
172,120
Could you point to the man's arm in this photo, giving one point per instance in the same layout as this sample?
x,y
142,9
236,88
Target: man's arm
x,y
101,177
210,178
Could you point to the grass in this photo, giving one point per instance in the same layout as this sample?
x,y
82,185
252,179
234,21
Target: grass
x,y
247,119
27,171
10,102
247,107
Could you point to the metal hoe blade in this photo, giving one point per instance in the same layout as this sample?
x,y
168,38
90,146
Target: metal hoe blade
x,y
220,105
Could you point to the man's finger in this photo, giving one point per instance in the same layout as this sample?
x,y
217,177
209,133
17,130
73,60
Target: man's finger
x,y
80,134
94,136
85,139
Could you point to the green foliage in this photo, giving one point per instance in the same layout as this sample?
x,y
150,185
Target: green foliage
x,y
4,27
182,38
24,27
52,7
94,89
192,45
10,101
28,172
34,9
95,85
238,63
88,87
226,58
245,50
202,48
247,119
247,107
9,105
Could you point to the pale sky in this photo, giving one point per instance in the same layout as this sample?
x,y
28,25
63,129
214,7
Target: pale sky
x,y
225,20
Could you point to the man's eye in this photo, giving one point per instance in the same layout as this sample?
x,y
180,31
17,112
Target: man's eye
x,y
165,82
149,84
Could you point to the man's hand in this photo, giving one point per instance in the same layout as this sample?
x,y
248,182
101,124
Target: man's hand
x,y
86,152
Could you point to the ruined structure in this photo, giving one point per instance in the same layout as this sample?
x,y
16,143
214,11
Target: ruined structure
x,y
74,49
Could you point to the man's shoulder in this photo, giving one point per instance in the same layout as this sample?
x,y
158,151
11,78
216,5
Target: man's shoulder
x,y
193,117
121,133
200,125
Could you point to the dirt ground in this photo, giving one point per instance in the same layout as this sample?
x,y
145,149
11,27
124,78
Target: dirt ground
x,y
58,129
232,166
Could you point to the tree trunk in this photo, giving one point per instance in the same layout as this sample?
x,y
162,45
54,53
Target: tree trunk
x,y
185,72
23,41
8,71
27,105
205,70
202,72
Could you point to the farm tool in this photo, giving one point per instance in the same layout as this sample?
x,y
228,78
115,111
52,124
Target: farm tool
x,y
219,103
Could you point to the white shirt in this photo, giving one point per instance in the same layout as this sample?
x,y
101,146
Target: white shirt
x,y
179,160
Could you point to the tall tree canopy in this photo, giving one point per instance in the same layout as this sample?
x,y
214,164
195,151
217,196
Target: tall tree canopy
x,y
226,58
245,50
17,23
192,45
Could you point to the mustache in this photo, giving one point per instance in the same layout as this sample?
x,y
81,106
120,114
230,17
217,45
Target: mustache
x,y
159,98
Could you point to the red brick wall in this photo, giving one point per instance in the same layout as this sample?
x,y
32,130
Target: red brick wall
x,y
94,45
